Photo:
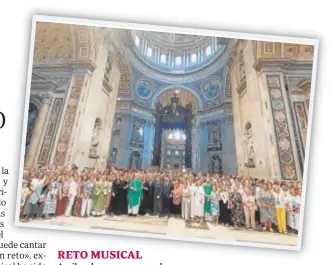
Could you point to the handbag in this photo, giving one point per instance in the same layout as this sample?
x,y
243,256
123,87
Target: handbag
x,y
41,199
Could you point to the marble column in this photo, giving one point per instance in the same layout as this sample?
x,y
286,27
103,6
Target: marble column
x,y
31,156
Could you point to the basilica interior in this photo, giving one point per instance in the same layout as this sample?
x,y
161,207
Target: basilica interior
x,y
150,100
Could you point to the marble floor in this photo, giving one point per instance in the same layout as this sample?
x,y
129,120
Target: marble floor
x,y
171,227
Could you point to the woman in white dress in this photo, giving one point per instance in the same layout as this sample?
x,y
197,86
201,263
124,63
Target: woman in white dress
x,y
293,209
193,189
199,201
186,201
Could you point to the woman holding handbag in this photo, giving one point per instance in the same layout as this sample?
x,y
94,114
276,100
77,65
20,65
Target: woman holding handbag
x,y
250,207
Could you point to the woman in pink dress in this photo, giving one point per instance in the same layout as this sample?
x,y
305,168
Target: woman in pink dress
x,y
176,199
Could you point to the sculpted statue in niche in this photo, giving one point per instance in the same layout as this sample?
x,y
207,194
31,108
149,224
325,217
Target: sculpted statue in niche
x,y
117,124
250,156
158,106
94,148
174,107
114,155
216,164
134,162
214,133
137,134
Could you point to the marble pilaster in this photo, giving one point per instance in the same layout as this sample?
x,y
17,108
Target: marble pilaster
x,y
30,160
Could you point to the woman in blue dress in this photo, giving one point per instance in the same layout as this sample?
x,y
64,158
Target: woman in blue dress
x,y
215,207
31,206
267,207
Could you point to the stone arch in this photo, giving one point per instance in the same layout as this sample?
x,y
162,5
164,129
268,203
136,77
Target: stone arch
x,y
170,87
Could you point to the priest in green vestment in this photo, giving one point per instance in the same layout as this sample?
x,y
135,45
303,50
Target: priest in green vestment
x,y
134,195
208,209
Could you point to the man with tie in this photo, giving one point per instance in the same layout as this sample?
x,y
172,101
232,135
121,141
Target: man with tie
x,y
167,196
158,200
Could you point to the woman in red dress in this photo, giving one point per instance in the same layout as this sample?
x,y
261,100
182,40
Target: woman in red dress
x,y
63,196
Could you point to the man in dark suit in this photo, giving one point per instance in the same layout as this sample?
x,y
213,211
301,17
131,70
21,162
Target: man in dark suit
x,y
158,200
167,196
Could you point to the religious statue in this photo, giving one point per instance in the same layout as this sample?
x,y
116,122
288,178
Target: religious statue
x,y
215,136
174,107
117,124
158,106
114,155
250,156
216,163
189,107
137,134
93,152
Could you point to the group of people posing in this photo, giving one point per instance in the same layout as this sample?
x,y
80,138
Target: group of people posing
x,y
227,200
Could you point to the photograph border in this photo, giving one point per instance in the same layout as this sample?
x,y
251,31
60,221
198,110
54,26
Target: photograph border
x,y
181,30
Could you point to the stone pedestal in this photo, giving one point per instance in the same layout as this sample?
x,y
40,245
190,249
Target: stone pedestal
x,y
30,160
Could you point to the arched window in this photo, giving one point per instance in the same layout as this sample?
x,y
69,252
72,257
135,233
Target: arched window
x,y
194,58
208,50
178,60
149,52
163,58
137,41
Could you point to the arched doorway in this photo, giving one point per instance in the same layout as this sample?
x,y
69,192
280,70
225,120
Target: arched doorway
x,y
215,164
135,160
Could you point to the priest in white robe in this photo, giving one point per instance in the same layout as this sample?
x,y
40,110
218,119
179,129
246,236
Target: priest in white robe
x,y
193,190
199,201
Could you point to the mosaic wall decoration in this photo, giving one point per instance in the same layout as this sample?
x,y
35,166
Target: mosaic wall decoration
x,y
302,121
144,88
282,131
50,132
211,88
68,121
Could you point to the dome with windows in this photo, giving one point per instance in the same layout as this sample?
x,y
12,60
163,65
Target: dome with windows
x,y
176,53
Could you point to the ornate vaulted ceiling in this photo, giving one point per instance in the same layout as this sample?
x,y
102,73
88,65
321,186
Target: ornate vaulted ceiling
x,y
174,58
159,62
